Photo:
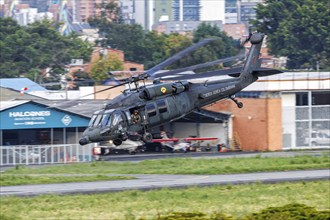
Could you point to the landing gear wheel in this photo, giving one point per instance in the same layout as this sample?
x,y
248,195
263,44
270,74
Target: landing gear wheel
x,y
124,137
240,105
117,142
147,138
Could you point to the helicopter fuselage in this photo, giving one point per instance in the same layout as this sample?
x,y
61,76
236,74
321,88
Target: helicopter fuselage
x,y
157,104
164,102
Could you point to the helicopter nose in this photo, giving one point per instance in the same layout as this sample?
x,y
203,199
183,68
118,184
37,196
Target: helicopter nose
x,y
83,141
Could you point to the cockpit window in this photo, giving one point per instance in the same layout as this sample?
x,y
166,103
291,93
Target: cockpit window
x,y
97,120
91,122
105,120
117,118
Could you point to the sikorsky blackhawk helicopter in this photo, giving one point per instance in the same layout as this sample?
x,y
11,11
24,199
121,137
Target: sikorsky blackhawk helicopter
x,y
163,102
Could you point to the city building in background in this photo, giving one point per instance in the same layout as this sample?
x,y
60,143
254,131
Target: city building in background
x,y
163,11
143,13
211,10
186,10
231,12
41,5
236,31
240,11
183,27
127,11
246,10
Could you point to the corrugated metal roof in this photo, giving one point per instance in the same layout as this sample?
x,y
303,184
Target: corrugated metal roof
x,y
10,104
81,107
19,83
298,76
11,94
84,108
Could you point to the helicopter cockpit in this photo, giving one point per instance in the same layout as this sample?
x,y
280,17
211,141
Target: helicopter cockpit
x,y
105,124
106,118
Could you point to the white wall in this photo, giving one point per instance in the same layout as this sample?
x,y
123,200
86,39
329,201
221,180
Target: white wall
x,y
212,10
183,130
288,120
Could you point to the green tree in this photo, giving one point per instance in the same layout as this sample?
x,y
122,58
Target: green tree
x,y
37,46
150,48
110,11
298,29
101,67
223,46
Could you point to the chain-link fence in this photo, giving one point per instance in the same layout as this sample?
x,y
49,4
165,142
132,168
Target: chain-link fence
x,y
45,154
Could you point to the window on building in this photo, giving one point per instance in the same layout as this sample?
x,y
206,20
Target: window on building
x,y
301,99
151,110
321,98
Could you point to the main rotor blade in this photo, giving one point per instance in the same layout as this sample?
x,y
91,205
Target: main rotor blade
x,y
199,66
178,56
232,72
70,102
102,90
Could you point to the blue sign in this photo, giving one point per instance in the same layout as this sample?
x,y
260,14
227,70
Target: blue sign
x,y
31,115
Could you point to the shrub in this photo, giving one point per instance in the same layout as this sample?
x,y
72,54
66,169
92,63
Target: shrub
x,y
290,212
184,216
194,216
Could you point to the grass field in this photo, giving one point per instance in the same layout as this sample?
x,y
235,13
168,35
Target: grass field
x,y
11,180
98,170
233,200
185,166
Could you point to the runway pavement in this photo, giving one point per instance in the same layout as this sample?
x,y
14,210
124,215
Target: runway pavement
x,y
148,182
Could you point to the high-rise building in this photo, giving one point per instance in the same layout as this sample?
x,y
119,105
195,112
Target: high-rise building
x,y
163,11
146,12
246,10
212,10
186,10
231,12
83,9
41,5
240,11
143,12
127,11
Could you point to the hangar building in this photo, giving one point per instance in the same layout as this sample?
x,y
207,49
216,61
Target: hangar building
x,y
284,111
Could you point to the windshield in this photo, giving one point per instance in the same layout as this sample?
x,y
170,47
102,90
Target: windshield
x,y
97,120
117,119
91,122
106,118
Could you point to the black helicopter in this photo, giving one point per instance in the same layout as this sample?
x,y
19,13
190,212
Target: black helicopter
x,y
167,101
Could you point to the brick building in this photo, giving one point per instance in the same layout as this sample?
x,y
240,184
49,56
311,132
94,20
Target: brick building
x,y
256,127
285,111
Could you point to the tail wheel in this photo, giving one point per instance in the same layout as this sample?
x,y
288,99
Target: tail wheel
x,y
240,105
147,138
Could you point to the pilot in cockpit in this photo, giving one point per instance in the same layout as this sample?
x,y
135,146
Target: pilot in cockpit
x,y
136,118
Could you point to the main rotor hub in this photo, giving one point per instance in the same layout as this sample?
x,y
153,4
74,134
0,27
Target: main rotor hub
x,y
256,38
